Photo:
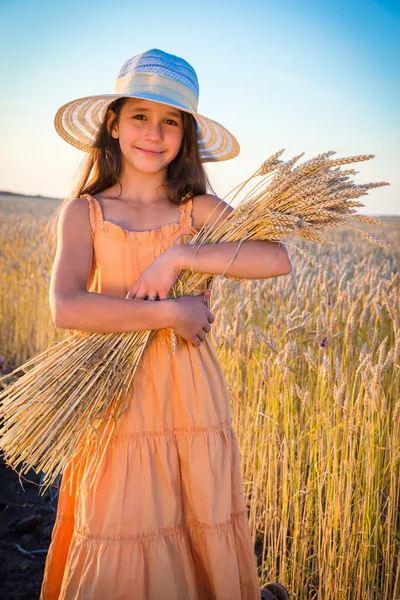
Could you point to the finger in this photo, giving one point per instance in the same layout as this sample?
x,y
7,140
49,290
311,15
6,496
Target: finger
x,y
132,292
141,294
163,294
211,318
201,335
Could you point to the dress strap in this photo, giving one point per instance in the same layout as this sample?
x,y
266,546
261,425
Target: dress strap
x,y
186,212
95,212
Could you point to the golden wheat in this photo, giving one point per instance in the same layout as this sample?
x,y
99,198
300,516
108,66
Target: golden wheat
x,y
46,435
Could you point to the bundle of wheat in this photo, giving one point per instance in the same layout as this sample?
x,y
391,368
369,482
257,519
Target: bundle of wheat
x,y
64,408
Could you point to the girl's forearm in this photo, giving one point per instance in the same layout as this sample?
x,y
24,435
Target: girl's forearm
x,y
254,260
93,312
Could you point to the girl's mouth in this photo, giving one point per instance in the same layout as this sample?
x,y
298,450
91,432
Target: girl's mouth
x,y
149,152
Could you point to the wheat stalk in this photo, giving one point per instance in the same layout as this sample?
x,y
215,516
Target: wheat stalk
x,y
50,415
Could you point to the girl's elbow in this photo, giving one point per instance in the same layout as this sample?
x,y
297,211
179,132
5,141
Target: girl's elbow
x,y
286,266
58,319
58,322
57,309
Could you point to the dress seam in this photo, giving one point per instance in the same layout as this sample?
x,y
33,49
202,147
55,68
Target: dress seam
x,y
176,430
166,531
121,235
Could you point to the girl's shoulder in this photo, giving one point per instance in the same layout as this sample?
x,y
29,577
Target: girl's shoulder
x,y
208,208
75,208
77,215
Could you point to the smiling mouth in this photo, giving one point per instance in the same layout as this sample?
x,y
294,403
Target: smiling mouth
x,y
154,152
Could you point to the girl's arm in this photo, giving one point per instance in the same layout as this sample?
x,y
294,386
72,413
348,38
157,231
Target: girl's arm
x,y
254,260
72,306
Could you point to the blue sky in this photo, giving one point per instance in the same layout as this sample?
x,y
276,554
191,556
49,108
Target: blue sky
x,y
302,75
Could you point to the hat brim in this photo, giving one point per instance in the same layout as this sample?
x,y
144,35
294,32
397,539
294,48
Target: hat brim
x,y
78,121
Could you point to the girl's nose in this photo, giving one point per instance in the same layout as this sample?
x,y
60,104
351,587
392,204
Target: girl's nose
x,y
154,131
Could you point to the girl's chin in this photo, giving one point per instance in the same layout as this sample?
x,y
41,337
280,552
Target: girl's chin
x,y
145,167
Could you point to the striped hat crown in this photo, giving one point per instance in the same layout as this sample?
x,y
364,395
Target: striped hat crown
x,y
153,75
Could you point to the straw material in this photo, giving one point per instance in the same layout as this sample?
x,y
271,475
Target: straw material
x,y
153,75
77,122
67,402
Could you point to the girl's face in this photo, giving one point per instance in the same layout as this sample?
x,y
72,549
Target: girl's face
x,y
149,133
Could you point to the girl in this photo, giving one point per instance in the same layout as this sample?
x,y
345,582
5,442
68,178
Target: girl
x,y
166,516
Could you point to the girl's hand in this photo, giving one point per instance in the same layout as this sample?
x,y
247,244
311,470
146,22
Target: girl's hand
x,y
157,279
192,318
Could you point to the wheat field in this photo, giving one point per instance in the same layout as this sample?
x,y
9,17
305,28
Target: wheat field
x,y
312,365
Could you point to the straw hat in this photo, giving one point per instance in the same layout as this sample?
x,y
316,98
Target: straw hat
x,y
153,75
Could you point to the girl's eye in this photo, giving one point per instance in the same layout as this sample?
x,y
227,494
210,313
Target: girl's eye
x,y
144,116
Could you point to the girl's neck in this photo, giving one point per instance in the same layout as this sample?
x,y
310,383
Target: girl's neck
x,y
139,188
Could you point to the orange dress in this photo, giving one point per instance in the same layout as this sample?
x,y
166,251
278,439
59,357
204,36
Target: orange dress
x,y
165,518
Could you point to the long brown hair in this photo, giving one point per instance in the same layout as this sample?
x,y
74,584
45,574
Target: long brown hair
x,y
101,169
